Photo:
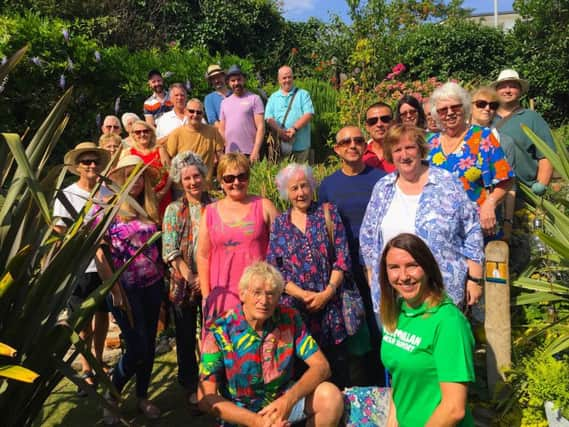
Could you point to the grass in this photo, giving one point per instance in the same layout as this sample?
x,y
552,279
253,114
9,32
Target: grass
x,y
65,408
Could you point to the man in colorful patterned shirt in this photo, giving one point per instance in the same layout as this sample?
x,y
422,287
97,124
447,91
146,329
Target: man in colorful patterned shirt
x,y
246,369
159,102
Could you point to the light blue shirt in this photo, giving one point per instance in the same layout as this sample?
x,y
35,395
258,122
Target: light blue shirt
x,y
212,105
446,220
276,109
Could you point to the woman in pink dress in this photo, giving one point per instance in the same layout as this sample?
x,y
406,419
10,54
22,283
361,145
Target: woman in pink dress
x,y
234,232
145,147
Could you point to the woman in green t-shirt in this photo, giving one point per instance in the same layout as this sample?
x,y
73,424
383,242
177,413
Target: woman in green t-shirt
x,y
427,344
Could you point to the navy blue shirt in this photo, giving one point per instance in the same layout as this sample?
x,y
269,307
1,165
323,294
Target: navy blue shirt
x,y
351,195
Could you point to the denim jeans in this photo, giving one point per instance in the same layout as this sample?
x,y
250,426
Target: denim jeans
x,y
185,319
139,339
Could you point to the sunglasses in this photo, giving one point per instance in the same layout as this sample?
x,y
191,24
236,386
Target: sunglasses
x,y
373,120
112,127
347,140
408,113
483,104
230,179
196,112
443,112
141,132
88,162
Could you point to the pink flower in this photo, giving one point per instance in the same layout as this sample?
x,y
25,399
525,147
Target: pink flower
x,y
466,163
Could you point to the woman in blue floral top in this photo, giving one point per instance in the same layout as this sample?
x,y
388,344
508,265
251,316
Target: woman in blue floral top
x,y
431,203
300,247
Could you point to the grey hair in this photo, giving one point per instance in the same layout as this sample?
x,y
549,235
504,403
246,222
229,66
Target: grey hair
x,y
264,271
285,174
183,160
450,90
127,116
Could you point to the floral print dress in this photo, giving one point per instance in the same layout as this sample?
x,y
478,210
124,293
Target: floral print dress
x,y
305,260
479,162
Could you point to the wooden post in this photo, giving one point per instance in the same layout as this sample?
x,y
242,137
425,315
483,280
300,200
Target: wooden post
x,y
497,323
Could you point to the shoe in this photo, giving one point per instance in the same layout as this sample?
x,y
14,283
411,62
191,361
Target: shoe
x,y
109,418
85,377
148,409
163,345
193,408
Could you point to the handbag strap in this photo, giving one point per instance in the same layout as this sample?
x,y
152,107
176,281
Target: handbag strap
x,y
329,227
289,107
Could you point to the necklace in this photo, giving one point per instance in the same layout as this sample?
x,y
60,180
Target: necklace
x,y
450,144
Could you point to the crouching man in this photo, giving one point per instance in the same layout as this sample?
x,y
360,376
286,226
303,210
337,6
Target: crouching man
x,y
248,354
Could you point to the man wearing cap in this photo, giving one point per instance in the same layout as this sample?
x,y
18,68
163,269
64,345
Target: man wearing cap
x,y
111,124
216,78
241,117
159,102
195,136
174,118
297,103
86,160
531,168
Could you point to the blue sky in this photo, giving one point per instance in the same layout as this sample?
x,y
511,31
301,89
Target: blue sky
x,y
301,10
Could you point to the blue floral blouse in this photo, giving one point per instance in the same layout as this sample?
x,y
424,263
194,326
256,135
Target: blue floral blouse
x,y
303,258
446,220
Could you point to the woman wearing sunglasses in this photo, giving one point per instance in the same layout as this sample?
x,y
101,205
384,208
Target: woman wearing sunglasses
x,y
234,233
410,111
431,203
313,270
145,147
471,152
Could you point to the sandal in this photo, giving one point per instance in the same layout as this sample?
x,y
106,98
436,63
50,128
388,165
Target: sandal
x,y
86,376
148,409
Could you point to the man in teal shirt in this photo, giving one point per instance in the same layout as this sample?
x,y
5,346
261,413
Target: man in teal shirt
x,y
296,129
532,168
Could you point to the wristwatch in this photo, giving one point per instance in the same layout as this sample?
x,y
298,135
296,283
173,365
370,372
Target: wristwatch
x,y
476,280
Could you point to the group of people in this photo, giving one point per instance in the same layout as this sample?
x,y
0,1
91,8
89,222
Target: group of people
x,y
403,222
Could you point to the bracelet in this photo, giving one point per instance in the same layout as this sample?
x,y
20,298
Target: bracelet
x,y
478,280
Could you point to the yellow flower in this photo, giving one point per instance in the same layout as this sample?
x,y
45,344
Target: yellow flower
x,y
472,174
438,159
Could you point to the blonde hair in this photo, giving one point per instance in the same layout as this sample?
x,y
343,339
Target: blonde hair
x,y
396,132
488,91
232,160
147,199
264,271
152,129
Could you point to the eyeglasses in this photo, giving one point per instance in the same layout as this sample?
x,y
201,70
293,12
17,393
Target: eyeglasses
x,y
88,162
408,113
112,127
483,104
443,112
370,121
230,179
141,132
196,112
349,139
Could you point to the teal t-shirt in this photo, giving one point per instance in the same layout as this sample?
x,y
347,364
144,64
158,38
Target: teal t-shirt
x,y
302,104
430,345
527,155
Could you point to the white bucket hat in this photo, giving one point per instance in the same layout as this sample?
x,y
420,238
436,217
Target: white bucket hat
x,y
511,76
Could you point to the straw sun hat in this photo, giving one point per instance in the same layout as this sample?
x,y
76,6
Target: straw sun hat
x,y
71,157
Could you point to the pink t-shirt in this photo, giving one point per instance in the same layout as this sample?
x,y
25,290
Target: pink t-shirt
x,y
234,246
238,114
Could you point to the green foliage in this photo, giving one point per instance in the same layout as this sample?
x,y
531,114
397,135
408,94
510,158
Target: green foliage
x,y
539,48
537,379
456,49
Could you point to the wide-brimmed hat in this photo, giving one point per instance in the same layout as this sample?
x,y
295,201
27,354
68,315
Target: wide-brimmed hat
x,y
511,76
70,158
126,161
213,70
234,70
